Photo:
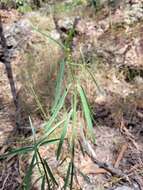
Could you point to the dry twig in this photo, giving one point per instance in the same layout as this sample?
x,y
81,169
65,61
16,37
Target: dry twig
x,y
108,167
120,156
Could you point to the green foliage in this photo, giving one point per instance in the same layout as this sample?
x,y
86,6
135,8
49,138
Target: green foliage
x,y
87,112
27,179
96,4
21,5
63,134
68,6
58,90
58,122
57,110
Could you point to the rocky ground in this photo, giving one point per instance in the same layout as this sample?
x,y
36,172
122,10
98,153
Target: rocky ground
x,y
111,41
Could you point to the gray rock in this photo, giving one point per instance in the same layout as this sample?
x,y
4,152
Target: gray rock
x,y
133,12
18,33
55,35
66,23
138,80
125,187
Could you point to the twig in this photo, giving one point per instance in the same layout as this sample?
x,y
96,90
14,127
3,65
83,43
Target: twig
x,y
5,59
90,152
138,180
4,182
120,156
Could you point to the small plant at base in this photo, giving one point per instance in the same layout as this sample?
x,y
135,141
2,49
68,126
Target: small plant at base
x,y
23,6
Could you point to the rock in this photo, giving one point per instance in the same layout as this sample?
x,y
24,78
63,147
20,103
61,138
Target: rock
x,y
89,187
124,187
55,35
133,12
138,80
18,33
66,24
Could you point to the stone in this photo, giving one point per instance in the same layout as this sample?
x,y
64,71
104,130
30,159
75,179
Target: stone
x,y
133,12
66,23
55,35
124,187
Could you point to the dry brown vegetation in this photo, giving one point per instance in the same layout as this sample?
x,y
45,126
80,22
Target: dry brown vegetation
x,y
103,55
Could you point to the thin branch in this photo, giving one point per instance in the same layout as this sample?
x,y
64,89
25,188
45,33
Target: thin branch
x,y
5,59
108,167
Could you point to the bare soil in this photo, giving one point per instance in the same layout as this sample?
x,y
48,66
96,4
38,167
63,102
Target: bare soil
x,y
118,122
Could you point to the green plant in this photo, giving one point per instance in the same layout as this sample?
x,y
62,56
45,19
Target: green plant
x,y
68,6
66,125
96,4
23,6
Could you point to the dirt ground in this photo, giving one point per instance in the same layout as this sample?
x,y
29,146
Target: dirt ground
x,y
117,114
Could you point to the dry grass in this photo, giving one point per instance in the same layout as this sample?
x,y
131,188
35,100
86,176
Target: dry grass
x,y
39,64
103,85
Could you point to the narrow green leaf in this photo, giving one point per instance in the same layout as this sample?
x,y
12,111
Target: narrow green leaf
x,y
86,110
50,173
66,184
43,183
96,4
94,80
74,118
58,108
51,141
33,130
44,168
59,84
63,134
51,130
88,70
23,150
38,164
72,175
38,102
72,164
49,37
81,148
27,179
27,149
